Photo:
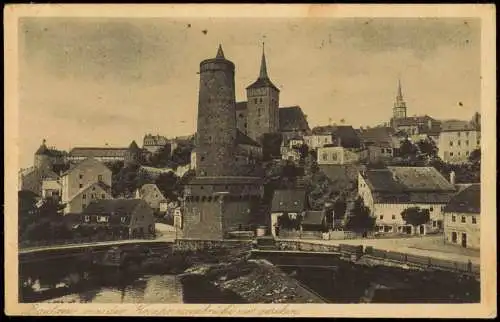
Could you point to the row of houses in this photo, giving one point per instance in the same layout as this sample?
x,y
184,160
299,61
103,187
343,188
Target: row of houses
x,y
343,144
84,191
453,210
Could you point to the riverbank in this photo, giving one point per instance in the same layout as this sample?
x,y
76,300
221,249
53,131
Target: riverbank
x,y
252,281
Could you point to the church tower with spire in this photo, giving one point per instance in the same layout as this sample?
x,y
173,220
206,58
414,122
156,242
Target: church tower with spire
x,y
262,104
399,109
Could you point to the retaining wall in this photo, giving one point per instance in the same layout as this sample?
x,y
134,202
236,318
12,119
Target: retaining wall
x,y
199,244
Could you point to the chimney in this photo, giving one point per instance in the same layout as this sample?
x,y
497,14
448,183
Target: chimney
x,y
452,177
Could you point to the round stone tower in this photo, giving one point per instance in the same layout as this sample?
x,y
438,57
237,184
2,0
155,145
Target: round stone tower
x,y
216,128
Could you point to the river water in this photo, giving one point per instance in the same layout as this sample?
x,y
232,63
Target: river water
x,y
69,281
142,289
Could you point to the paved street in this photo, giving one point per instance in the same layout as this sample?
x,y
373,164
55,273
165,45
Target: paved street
x,y
431,246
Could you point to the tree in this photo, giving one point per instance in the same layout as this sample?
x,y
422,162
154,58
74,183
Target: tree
x,y
271,144
415,216
168,183
407,149
427,148
161,158
360,219
475,156
339,208
27,210
128,179
114,166
182,154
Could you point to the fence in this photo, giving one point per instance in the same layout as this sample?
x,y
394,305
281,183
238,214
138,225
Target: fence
x,y
359,250
333,235
423,260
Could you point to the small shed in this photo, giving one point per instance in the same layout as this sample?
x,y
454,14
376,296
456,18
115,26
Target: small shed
x,y
314,221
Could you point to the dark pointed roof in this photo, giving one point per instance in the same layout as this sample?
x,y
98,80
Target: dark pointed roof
x,y
263,80
42,150
220,53
400,102
133,146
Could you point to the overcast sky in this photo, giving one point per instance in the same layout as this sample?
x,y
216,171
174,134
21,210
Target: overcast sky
x,y
87,82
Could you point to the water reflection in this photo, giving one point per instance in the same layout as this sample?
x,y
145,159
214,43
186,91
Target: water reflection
x,y
145,289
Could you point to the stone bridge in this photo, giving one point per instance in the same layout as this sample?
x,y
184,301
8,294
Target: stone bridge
x,y
38,254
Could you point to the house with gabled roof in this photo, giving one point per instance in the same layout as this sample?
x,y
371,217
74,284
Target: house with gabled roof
x,y
82,176
89,193
126,218
152,195
389,191
381,143
287,202
462,218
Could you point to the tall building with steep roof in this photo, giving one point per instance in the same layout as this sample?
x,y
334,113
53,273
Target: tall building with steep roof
x,y
218,200
399,109
262,104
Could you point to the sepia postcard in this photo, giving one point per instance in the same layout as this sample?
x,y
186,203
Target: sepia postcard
x,y
250,160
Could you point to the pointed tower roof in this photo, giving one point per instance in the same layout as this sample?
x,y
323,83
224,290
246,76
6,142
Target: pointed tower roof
x,y
400,102
263,80
42,150
263,66
133,146
220,53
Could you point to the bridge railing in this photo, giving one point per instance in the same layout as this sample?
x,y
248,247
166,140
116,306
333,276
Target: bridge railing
x,y
74,241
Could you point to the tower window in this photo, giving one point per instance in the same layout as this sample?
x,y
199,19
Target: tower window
x,y
255,101
260,100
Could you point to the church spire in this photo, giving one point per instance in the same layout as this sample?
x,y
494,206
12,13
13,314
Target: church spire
x,y
399,110
400,92
220,53
263,66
